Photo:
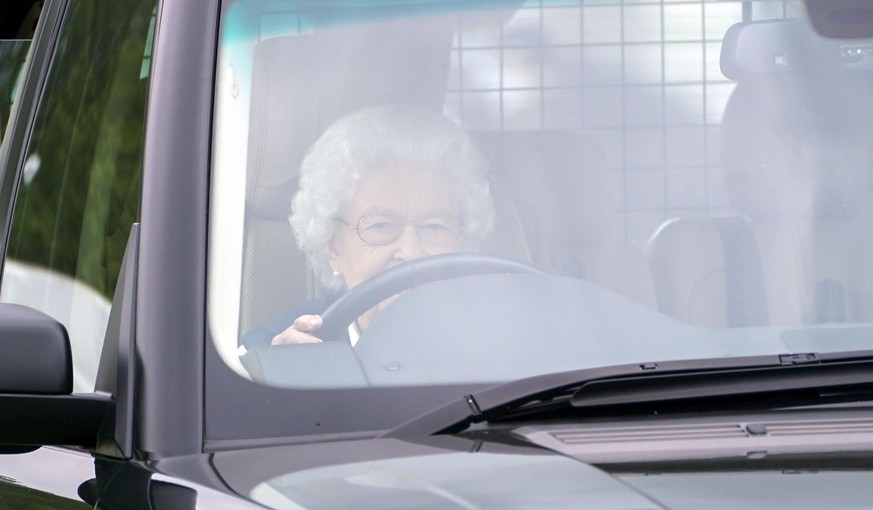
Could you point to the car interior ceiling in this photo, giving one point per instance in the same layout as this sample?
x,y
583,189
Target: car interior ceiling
x,y
699,270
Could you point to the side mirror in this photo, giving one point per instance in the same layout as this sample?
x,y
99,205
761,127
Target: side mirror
x,y
35,355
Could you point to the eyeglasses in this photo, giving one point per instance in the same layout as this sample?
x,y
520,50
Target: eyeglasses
x,y
380,230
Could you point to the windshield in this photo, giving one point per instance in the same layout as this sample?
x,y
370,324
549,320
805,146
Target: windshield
x,y
573,184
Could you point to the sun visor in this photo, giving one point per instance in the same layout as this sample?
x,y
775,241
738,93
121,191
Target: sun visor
x,y
841,19
788,46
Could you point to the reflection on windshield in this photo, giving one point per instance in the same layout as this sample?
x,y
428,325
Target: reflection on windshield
x,y
691,177
459,480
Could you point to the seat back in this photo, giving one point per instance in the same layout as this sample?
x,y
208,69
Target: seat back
x,y
300,86
560,183
796,171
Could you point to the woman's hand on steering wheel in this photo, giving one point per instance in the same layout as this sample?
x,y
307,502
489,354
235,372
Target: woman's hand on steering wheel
x,y
301,332
357,300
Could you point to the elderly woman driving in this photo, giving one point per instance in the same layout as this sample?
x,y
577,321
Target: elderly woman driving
x,y
382,186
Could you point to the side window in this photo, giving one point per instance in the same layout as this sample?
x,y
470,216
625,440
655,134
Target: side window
x,y
79,189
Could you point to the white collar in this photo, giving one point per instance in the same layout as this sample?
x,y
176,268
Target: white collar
x,y
354,333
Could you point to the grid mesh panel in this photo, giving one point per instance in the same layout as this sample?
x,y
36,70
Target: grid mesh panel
x,y
642,76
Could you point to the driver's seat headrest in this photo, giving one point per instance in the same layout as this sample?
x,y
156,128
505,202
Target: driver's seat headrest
x,y
300,85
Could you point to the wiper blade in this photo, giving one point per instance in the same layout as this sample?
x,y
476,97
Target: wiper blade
x,y
720,383
646,384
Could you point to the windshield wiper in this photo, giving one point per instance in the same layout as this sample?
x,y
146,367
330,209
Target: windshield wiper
x,y
718,383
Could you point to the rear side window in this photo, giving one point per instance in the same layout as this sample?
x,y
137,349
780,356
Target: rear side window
x,y
80,185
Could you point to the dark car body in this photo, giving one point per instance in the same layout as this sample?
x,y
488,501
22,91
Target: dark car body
x,y
542,382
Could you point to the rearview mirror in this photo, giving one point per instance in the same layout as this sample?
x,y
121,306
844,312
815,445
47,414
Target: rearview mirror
x,y
35,356
767,48
841,19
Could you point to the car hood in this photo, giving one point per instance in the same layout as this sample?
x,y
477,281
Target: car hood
x,y
447,472
503,472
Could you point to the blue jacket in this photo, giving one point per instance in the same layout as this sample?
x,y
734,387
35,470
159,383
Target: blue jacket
x,y
263,334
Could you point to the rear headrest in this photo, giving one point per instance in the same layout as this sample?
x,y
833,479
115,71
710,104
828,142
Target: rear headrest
x,y
794,134
796,146
301,84
559,182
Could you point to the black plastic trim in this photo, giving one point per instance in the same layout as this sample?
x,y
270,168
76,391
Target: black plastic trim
x,y
37,358
116,374
565,390
69,420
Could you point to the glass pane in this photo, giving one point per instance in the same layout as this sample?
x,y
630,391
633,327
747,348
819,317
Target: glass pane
x,y
79,190
623,144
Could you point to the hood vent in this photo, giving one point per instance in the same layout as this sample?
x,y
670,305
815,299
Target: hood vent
x,y
819,428
636,434
665,441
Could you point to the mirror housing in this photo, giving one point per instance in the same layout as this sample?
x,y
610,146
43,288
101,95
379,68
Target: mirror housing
x,y
37,406
36,356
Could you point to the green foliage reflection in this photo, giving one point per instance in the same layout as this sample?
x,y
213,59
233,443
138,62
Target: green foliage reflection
x,y
80,190
23,498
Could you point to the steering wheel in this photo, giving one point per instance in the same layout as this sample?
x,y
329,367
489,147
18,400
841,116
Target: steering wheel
x,y
362,297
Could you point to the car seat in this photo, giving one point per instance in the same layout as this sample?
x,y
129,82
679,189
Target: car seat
x,y
560,183
300,85
793,162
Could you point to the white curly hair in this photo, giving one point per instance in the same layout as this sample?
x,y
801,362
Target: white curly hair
x,y
375,136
